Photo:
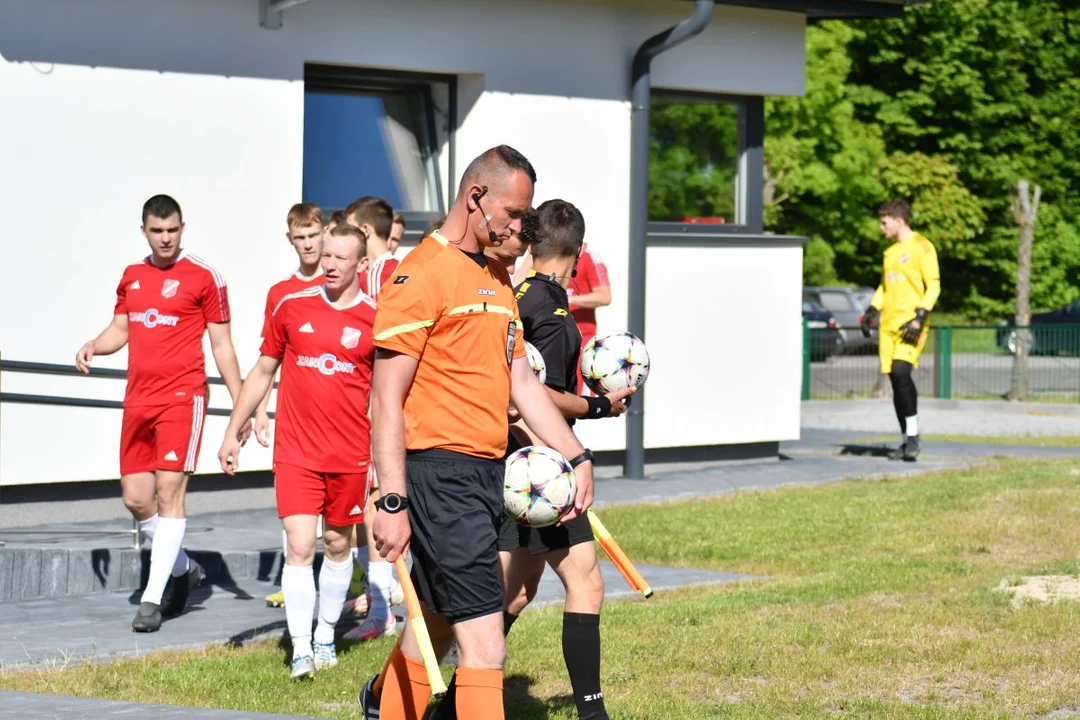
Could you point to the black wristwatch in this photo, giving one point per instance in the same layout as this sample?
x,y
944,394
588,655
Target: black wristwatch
x,y
392,503
584,457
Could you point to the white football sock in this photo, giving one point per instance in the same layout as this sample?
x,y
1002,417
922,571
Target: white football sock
x,y
334,578
913,426
168,537
380,582
298,586
149,529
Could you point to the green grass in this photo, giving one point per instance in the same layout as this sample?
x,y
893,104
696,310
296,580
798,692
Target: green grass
x,y
879,603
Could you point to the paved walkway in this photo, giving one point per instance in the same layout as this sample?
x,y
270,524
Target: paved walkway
x,y
47,630
28,706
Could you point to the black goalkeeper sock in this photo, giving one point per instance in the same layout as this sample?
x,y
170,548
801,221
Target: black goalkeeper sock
x,y
447,707
581,651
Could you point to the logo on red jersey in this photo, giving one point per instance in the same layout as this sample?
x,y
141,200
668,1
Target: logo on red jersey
x,y
350,338
327,364
152,318
169,287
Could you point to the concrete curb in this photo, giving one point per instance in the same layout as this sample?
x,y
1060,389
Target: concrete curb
x,y
36,573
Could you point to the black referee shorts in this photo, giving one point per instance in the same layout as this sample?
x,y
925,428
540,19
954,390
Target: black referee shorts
x,y
455,506
514,535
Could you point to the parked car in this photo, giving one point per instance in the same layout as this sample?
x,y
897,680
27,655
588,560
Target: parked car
x,y
824,336
1052,332
847,305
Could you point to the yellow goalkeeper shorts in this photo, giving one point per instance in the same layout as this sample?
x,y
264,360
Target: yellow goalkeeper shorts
x,y
891,347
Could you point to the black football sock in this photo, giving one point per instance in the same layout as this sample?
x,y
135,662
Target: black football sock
x,y
581,651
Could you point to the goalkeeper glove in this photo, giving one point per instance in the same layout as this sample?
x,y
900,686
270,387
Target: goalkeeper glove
x,y
868,319
910,331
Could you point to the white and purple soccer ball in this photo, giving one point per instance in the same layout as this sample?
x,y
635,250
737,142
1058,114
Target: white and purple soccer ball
x,y
538,486
614,362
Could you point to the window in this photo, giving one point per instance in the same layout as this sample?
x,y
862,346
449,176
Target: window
x,y
705,161
377,133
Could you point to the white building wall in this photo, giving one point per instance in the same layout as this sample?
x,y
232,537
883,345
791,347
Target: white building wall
x,y
107,103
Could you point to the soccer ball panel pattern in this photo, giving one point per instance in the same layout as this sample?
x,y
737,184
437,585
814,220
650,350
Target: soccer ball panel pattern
x,y
538,486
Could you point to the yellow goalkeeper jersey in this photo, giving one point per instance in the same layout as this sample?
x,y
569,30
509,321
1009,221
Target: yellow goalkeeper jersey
x,y
910,279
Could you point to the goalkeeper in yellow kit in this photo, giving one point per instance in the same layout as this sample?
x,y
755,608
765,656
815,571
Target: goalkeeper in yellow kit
x,y
910,285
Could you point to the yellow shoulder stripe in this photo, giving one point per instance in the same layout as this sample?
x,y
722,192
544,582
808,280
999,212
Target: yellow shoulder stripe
x,y
407,327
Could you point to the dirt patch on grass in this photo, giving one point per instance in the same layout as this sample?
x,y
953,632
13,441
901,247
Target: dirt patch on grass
x,y
1042,589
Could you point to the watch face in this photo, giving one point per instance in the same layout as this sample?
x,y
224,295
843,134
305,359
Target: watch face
x,y
392,503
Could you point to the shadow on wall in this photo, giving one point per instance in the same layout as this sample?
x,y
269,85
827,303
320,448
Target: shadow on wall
x,y
510,45
224,38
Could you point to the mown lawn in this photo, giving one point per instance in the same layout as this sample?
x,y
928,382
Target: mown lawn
x,y
879,603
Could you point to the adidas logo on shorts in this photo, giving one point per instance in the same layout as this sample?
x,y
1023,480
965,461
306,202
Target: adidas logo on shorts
x,y
355,510
171,457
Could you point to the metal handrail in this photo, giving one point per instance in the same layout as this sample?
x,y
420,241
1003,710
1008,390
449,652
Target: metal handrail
x,y
36,368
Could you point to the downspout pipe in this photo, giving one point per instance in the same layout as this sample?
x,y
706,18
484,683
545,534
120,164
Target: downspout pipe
x,y
640,98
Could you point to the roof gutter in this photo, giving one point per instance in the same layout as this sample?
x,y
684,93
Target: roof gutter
x,y
640,98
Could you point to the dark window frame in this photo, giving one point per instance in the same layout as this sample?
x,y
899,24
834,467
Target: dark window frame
x,y
350,79
750,177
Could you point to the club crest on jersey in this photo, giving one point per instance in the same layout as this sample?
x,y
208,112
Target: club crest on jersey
x,y
169,287
350,338
485,291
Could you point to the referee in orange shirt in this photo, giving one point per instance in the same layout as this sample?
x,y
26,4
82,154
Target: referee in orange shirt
x,y
450,358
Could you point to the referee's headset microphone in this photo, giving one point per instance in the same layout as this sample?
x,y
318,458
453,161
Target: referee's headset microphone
x,y
492,237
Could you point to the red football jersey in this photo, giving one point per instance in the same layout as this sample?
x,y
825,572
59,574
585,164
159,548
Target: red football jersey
x,y
292,284
378,272
322,404
591,274
168,310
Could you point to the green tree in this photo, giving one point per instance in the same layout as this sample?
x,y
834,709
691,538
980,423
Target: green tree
x,y
992,85
693,151
820,161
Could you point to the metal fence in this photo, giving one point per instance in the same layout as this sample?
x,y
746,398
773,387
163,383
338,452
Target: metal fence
x,y
963,362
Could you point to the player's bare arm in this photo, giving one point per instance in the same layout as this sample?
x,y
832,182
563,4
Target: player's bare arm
x,y
221,346
577,407
252,389
393,374
546,421
598,297
262,419
110,340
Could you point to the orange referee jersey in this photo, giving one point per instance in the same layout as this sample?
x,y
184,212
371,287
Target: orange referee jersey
x,y
461,322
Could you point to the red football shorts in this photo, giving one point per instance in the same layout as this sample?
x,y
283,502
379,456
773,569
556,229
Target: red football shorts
x,y
338,497
162,437
373,479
